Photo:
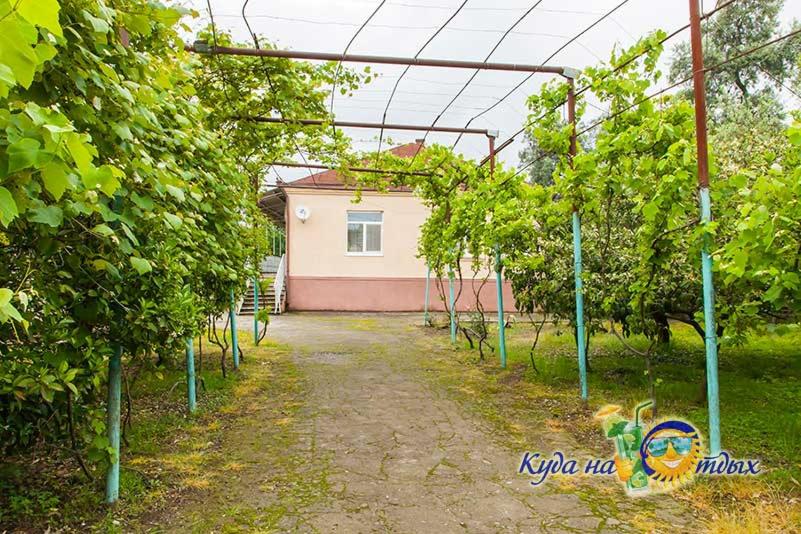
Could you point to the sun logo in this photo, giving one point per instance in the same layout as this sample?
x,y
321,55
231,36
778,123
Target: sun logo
x,y
670,452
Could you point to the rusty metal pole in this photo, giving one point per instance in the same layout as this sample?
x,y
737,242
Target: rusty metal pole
x,y
577,263
710,328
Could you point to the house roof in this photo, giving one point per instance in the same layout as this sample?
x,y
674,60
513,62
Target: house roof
x,y
331,179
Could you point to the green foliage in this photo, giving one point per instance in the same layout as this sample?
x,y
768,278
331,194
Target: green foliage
x,y
236,88
125,218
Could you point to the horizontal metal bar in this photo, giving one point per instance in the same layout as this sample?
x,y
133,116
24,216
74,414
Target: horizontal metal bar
x,y
292,164
376,125
202,47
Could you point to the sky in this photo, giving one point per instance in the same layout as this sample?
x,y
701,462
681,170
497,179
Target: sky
x,y
401,27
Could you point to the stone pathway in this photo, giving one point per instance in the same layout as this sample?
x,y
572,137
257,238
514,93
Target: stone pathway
x,y
402,457
374,446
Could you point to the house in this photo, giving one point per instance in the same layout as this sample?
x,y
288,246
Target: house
x,y
347,256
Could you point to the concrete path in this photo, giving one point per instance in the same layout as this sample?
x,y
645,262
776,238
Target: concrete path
x,y
401,457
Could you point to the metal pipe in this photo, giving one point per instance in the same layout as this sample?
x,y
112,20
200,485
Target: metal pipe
x,y
256,310
292,164
501,323
234,334
425,305
113,424
452,306
498,272
191,395
577,263
375,125
710,328
202,47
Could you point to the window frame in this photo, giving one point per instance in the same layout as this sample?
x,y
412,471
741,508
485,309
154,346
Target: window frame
x,y
364,225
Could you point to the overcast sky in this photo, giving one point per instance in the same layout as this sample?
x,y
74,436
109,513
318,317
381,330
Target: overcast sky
x,y
401,27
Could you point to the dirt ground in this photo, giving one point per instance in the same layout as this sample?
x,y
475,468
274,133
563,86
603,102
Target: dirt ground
x,y
379,448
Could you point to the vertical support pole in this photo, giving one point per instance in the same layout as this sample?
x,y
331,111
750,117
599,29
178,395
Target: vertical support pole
x,y
256,311
498,270
452,306
113,423
580,330
191,396
425,305
501,322
234,334
710,328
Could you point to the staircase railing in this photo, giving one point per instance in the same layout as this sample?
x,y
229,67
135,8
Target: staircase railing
x,y
278,283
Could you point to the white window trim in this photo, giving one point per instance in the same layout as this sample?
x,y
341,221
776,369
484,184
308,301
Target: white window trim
x,y
374,254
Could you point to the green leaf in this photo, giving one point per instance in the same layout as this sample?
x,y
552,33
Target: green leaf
x,y
174,220
5,296
102,178
98,25
141,265
8,207
42,13
54,176
103,229
176,192
16,50
80,154
23,154
50,215
144,202
7,80
122,131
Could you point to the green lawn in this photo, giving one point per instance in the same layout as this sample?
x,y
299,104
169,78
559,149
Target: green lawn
x,y
760,385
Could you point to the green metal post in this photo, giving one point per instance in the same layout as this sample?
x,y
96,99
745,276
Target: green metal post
x,y
710,332
191,395
580,334
452,306
113,423
256,311
501,322
425,305
234,334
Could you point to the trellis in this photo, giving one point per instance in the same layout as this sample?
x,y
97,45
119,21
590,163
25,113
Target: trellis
x,y
698,79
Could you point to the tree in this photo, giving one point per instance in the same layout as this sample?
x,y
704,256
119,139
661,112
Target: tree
x,y
737,28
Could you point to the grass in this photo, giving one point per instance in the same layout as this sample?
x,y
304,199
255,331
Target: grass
x,y
760,395
170,456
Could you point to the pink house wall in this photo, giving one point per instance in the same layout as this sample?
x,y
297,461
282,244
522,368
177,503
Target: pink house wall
x,y
387,294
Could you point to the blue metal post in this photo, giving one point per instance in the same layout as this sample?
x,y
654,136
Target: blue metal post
x,y
234,334
501,322
580,333
452,306
710,332
425,305
113,423
256,311
191,395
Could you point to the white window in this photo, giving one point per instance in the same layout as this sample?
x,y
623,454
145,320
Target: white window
x,y
364,232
